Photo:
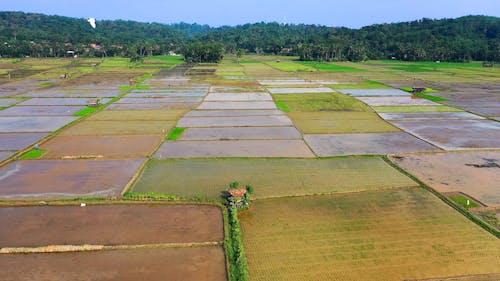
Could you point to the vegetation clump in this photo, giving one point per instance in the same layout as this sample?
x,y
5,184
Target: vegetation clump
x,y
203,52
238,197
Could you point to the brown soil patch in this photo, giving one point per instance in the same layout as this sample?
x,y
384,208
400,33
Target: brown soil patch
x,y
138,115
206,263
103,128
110,225
106,146
455,171
66,178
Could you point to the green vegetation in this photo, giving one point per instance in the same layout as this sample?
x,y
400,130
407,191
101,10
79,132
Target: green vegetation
x,y
330,67
462,200
142,87
365,84
426,95
319,102
340,122
491,218
46,84
471,38
427,90
431,97
238,269
282,105
289,66
149,196
87,111
273,177
33,154
415,109
126,87
203,52
175,133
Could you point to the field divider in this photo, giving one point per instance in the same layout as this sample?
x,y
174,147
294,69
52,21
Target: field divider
x,y
88,248
53,134
468,214
337,193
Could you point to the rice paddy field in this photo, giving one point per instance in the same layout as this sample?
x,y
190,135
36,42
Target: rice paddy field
x,y
340,122
273,177
377,235
353,176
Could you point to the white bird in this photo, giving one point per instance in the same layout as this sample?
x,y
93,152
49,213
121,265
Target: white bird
x,y
92,22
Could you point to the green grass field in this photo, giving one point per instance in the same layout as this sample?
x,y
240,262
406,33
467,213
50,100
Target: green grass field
x,y
33,154
462,201
365,84
330,67
390,235
269,177
320,102
175,133
340,122
289,66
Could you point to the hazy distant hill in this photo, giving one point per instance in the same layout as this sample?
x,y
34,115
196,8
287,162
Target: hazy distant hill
x,y
466,38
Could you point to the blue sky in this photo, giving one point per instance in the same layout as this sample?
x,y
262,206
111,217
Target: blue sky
x,y
350,13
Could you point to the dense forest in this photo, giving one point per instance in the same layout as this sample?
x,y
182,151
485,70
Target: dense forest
x,y
462,39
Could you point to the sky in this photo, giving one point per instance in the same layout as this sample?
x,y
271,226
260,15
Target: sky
x,y
349,13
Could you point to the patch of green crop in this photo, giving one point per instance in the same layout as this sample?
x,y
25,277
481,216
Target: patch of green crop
x,y
33,154
366,84
86,111
330,67
462,201
176,133
431,97
281,105
427,90
46,84
289,66
143,87
125,87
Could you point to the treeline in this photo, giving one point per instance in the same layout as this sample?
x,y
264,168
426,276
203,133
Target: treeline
x,y
203,52
461,39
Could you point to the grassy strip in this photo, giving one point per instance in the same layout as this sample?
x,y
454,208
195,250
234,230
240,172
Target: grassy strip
x,y
431,97
281,105
33,154
175,133
365,84
330,67
86,111
46,84
425,94
462,201
427,90
447,200
238,267
149,196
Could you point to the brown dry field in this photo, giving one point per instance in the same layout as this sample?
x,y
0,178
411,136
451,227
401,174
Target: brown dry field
x,y
340,122
109,225
194,264
449,172
111,128
66,178
138,115
106,146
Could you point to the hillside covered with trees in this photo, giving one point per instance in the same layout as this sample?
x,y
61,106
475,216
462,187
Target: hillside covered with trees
x,y
462,39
